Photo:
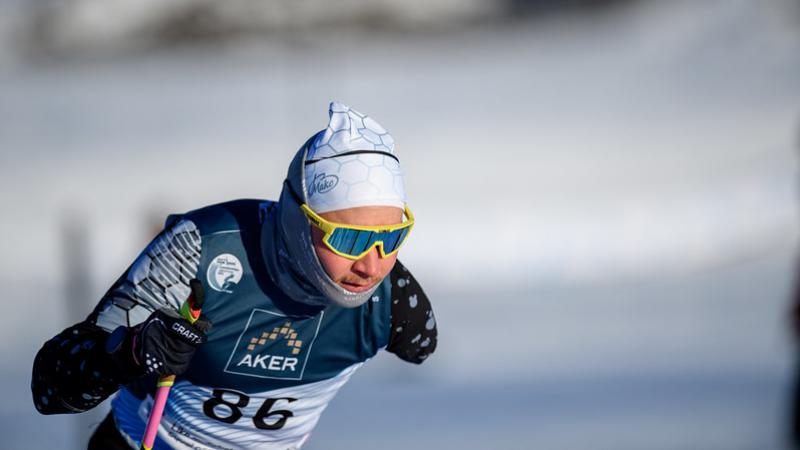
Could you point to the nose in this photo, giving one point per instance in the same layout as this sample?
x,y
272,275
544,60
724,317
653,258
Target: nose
x,y
369,265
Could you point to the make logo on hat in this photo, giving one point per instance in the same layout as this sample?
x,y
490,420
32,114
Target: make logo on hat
x,y
273,345
323,183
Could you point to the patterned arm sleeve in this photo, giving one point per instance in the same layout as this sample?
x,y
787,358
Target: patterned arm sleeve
x,y
73,372
413,336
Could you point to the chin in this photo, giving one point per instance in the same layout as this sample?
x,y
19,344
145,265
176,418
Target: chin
x,y
356,288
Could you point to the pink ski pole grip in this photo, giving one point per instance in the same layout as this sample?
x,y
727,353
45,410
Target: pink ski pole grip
x,y
190,310
162,392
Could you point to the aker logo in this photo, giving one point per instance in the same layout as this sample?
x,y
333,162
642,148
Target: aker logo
x,y
323,183
224,272
274,345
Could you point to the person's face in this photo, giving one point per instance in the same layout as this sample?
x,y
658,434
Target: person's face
x,y
362,274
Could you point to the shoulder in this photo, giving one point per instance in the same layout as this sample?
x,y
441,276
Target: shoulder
x,y
404,286
230,215
413,333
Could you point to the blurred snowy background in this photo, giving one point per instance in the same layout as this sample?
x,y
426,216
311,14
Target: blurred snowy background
x,y
606,195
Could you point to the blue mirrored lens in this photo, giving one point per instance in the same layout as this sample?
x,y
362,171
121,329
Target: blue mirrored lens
x,y
362,242
400,236
354,242
393,240
342,239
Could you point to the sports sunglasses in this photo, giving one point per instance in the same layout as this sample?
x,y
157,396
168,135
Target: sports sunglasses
x,y
355,241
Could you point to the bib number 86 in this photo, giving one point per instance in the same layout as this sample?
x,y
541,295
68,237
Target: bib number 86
x,y
230,404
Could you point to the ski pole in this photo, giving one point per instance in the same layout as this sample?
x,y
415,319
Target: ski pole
x,y
190,310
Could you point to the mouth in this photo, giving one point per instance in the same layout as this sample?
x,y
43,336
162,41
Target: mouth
x,y
355,287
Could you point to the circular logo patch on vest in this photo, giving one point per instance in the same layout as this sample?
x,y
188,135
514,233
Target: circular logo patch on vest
x,y
224,272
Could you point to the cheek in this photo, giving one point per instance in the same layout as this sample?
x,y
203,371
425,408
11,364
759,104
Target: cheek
x,y
387,264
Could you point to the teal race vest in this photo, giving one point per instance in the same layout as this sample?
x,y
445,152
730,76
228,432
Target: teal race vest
x,y
271,364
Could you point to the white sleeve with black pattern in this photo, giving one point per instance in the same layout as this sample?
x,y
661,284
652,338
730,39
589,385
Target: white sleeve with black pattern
x,y
158,278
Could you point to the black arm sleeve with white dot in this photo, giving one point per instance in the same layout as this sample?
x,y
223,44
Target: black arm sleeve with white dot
x,y
413,336
72,371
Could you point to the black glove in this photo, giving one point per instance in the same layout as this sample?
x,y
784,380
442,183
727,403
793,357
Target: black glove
x,y
165,343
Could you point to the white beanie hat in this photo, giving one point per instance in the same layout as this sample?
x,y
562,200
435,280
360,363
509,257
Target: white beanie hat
x,y
352,163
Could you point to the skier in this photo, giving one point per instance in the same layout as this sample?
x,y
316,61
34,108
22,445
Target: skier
x,y
299,293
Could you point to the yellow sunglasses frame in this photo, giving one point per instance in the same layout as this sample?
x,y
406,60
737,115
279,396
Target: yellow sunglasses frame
x,y
328,228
